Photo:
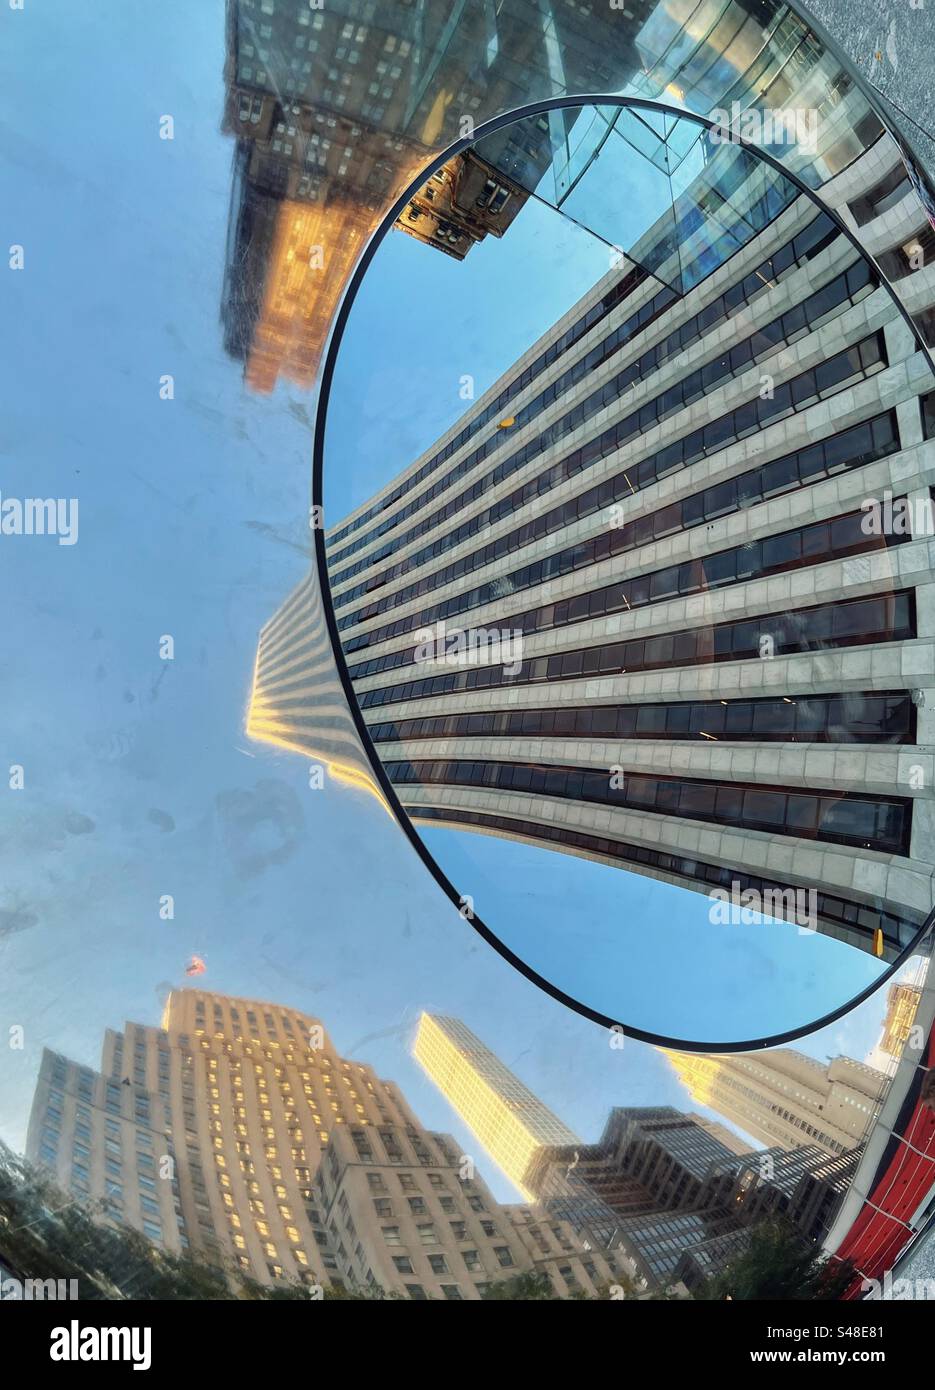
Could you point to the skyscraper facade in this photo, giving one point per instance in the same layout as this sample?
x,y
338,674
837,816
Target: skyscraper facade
x,y
781,1097
236,1133
682,564
336,107
627,497
509,1120
902,1001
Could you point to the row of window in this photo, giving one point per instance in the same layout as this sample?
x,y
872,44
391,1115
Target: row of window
x,y
852,448
885,194
887,618
816,543
870,822
807,244
650,310
898,931
853,718
802,391
782,331
913,254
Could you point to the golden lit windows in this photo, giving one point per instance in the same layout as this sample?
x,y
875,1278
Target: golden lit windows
x,y
293,1234
262,1228
240,1243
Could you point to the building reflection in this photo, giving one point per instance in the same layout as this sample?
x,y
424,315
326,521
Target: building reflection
x,y
333,114
336,109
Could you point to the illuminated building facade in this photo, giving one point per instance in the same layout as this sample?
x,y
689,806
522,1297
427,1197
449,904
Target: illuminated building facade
x,y
781,1097
461,203
510,1122
236,1133
902,1001
336,108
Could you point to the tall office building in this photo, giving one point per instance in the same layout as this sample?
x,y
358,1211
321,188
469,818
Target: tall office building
x,y
652,527
510,1122
237,1133
675,1202
784,1098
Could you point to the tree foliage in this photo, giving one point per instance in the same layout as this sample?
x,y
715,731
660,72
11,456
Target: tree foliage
x,y
778,1263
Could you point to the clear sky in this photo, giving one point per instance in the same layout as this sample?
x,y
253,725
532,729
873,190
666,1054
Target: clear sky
x,y
139,781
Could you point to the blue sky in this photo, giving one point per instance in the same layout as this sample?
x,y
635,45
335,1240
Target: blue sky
x,y
139,780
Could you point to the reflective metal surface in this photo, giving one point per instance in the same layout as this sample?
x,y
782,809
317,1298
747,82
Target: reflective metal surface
x,y
281,931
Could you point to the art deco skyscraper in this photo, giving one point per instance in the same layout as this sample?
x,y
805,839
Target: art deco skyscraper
x,y
237,1133
781,1097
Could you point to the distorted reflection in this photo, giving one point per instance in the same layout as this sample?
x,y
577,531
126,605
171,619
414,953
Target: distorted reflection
x,y
627,628
648,604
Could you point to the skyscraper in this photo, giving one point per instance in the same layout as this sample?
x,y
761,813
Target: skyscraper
x,y
237,1133
781,1097
510,1122
682,562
